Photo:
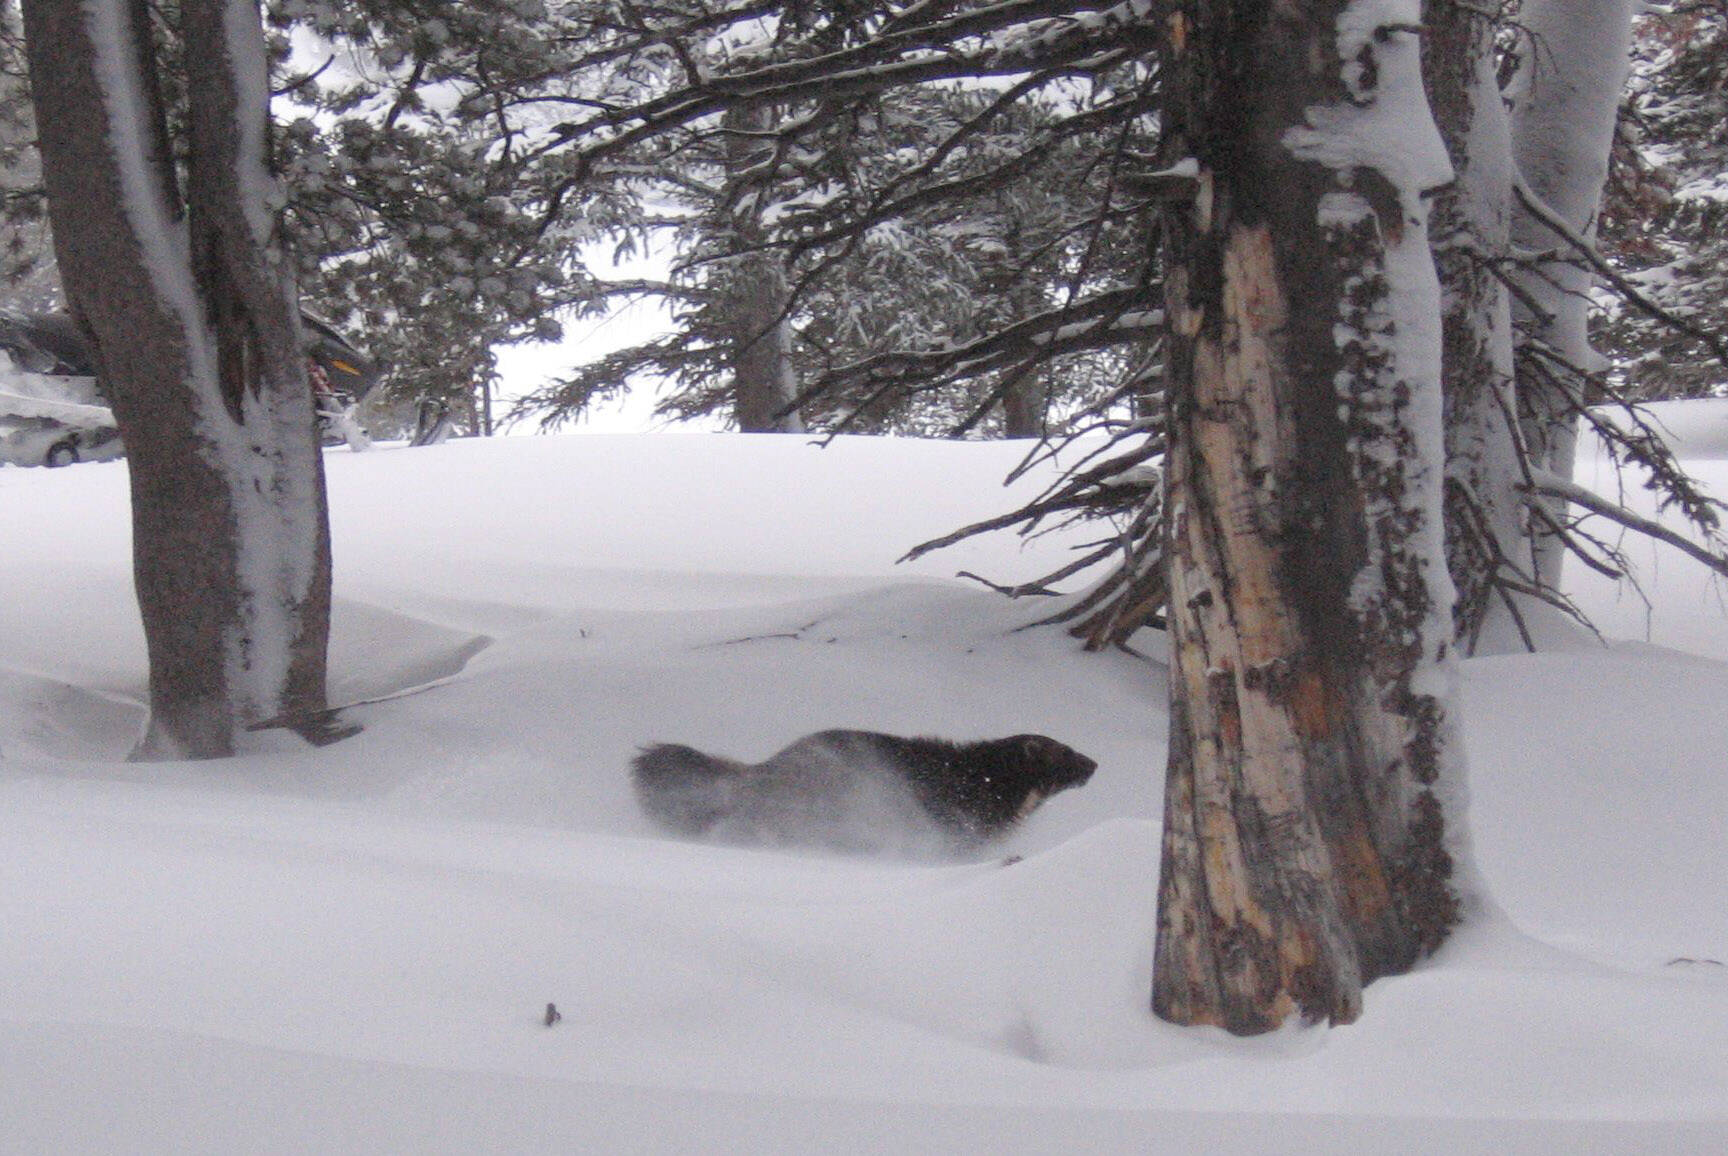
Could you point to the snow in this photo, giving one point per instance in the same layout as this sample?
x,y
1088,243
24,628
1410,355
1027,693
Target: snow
x,y
243,48
1388,335
352,949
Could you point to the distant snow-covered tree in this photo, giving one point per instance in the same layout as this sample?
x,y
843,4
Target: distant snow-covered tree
x,y
413,199
943,243
1665,220
28,279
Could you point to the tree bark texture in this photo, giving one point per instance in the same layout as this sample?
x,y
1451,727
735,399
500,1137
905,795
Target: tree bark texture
x,y
191,308
1470,230
1573,60
764,382
1309,607
1024,406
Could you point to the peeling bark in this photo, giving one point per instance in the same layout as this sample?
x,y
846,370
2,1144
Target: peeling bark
x,y
1309,611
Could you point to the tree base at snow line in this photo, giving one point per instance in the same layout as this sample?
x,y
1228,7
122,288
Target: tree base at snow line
x,y
319,728
196,335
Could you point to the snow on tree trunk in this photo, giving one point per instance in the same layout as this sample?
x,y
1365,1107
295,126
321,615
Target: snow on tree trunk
x,y
1310,611
1470,229
192,310
1565,97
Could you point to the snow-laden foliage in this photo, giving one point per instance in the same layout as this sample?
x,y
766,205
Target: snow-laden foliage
x,y
28,278
918,208
1665,222
418,220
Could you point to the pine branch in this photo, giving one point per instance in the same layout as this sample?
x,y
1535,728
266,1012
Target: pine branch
x,y
1534,205
1555,486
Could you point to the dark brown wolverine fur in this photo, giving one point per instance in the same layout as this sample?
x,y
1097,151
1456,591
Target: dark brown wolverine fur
x,y
857,790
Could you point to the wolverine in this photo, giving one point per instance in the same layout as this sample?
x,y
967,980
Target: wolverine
x,y
858,791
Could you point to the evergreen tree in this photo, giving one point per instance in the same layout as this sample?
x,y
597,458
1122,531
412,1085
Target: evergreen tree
x,y
1665,221
413,211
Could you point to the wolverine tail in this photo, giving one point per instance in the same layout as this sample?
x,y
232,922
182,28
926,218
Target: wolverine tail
x,y
682,789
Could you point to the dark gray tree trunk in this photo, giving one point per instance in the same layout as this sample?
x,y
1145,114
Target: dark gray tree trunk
x,y
1310,615
190,304
1024,405
764,382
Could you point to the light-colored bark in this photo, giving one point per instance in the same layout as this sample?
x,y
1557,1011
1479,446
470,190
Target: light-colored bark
x,y
1565,98
1304,847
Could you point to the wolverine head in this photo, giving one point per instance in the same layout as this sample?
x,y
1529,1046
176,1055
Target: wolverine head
x,y
1011,777
1050,766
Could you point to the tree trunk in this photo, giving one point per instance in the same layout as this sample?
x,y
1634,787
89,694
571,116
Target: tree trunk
x,y
764,383
1309,606
1026,402
1024,405
1565,95
1470,230
193,317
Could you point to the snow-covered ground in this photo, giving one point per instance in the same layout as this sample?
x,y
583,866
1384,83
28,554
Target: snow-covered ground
x,y
352,949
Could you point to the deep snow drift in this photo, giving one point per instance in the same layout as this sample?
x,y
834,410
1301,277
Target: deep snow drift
x,y
352,949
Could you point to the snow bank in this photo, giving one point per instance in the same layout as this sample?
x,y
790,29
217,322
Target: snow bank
x,y
352,949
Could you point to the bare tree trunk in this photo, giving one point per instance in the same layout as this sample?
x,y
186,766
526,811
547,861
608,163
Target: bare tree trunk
x,y
764,383
1310,613
196,334
1024,405
1470,230
1574,57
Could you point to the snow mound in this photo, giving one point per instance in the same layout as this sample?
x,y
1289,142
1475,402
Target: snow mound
x,y
377,653
54,719
353,948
